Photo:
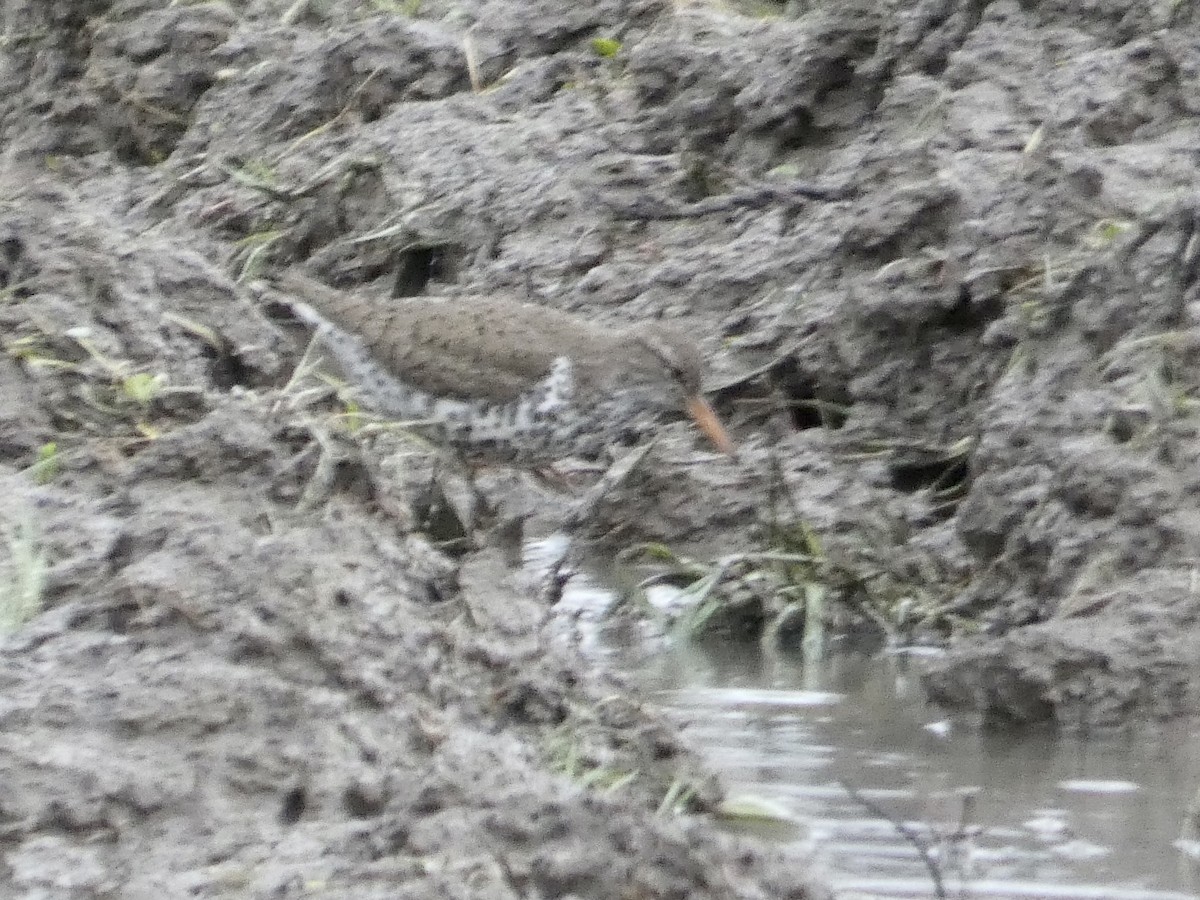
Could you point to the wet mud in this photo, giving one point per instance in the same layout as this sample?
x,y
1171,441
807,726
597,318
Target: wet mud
x,y
941,257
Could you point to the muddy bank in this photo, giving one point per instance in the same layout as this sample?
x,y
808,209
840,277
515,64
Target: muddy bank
x,y
259,669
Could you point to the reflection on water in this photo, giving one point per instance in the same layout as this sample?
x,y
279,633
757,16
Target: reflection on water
x,y
1034,816
1022,817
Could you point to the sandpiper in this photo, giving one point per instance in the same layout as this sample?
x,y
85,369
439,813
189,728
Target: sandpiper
x,y
507,381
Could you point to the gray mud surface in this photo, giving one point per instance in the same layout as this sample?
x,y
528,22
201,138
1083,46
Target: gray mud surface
x,y
259,671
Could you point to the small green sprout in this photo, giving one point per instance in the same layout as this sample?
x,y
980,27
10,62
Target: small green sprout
x,y
606,47
48,464
142,387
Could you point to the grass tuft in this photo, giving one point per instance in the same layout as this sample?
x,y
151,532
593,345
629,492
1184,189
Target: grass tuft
x,y
22,578
47,465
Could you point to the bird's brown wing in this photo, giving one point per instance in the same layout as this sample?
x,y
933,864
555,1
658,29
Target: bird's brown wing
x,y
492,349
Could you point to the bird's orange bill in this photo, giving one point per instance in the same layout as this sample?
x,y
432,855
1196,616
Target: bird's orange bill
x,y
708,422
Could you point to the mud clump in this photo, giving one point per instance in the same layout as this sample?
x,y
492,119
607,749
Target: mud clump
x,y
255,672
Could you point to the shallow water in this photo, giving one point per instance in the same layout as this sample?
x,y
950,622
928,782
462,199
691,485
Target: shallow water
x,y
1020,816
1035,815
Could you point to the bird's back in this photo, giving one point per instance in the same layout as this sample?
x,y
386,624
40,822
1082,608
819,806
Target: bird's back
x,y
468,348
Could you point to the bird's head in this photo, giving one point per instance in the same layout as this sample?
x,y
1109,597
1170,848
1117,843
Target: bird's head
x,y
665,366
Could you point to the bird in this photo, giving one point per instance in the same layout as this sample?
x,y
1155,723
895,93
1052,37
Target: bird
x,y
505,380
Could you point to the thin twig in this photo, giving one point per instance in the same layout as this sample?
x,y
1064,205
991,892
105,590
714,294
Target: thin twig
x,y
905,832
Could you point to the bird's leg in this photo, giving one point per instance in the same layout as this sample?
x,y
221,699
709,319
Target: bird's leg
x,y
583,509
552,478
320,485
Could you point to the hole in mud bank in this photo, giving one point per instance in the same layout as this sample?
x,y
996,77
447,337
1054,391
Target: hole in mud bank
x,y
12,264
625,438
811,404
1124,425
795,132
361,803
529,704
811,412
443,526
294,803
15,452
353,480
129,546
943,471
417,266
119,619
965,316
227,371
